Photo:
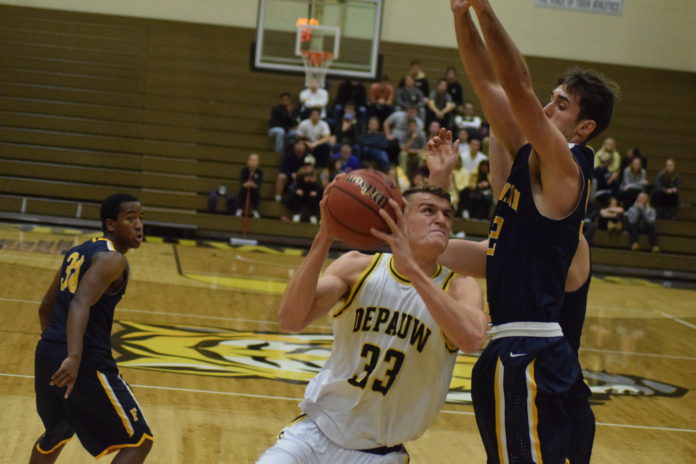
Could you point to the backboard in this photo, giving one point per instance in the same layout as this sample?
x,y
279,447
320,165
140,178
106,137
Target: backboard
x,y
348,29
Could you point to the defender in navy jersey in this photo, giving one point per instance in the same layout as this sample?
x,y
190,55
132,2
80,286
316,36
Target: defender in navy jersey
x,y
528,370
78,386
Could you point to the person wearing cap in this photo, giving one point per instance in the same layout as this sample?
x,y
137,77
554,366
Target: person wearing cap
x,y
306,192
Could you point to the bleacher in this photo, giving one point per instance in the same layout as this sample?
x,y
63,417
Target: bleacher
x,y
95,104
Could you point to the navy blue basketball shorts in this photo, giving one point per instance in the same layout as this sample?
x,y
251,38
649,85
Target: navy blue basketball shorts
x,y
525,403
101,409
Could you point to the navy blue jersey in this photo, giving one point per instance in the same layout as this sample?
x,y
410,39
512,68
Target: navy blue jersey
x,y
572,316
77,261
528,253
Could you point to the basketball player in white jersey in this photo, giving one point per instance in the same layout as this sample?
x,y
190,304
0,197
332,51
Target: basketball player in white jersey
x,y
398,321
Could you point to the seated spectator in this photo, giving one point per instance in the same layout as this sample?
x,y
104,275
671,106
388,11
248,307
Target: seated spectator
x,y
459,181
250,180
351,91
605,183
633,181
413,150
374,145
419,78
469,120
399,177
283,122
344,161
631,153
463,137
473,157
409,96
611,217
454,87
418,179
313,97
305,193
396,125
440,105
433,130
290,164
481,191
666,193
381,99
347,131
317,136
641,219
609,150
221,192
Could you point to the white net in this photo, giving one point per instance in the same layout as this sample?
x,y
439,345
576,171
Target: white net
x,y
316,65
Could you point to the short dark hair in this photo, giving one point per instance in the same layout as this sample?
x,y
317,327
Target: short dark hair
x,y
285,94
596,96
427,188
112,206
442,79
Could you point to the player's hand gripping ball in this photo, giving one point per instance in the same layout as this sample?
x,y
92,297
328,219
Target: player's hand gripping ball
x,y
353,204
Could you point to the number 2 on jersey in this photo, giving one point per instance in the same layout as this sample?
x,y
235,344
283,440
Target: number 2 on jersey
x,y
72,272
496,228
392,358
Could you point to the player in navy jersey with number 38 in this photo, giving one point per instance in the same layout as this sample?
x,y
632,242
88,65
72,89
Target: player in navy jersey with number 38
x,y
525,376
78,386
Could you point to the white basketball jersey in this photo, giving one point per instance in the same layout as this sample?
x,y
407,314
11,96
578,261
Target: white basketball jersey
x,y
390,365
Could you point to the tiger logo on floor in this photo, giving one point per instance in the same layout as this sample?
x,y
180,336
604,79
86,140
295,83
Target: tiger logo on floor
x,y
296,358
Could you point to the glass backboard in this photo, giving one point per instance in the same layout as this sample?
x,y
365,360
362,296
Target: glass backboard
x,y
348,29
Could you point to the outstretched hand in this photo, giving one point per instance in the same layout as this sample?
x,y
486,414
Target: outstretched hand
x,y
442,158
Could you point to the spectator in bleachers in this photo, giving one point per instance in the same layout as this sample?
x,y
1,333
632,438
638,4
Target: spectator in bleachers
x,y
396,125
381,99
283,122
418,179
313,97
317,136
419,78
473,157
469,120
250,180
666,193
633,152
412,151
454,87
399,177
463,136
351,91
633,181
641,219
290,164
605,184
481,191
305,192
221,192
409,96
609,150
344,161
459,181
440,104
433,129
374,144
611,217
347,131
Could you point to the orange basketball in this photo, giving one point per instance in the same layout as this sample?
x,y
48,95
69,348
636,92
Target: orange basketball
x,y
353,204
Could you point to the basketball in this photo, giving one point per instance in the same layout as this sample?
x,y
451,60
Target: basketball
x,y
353,204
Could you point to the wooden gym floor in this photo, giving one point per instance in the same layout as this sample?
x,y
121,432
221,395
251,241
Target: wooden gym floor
x,y
196,337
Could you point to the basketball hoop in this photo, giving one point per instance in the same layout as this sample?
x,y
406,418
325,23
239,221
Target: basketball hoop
x,y
316,65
